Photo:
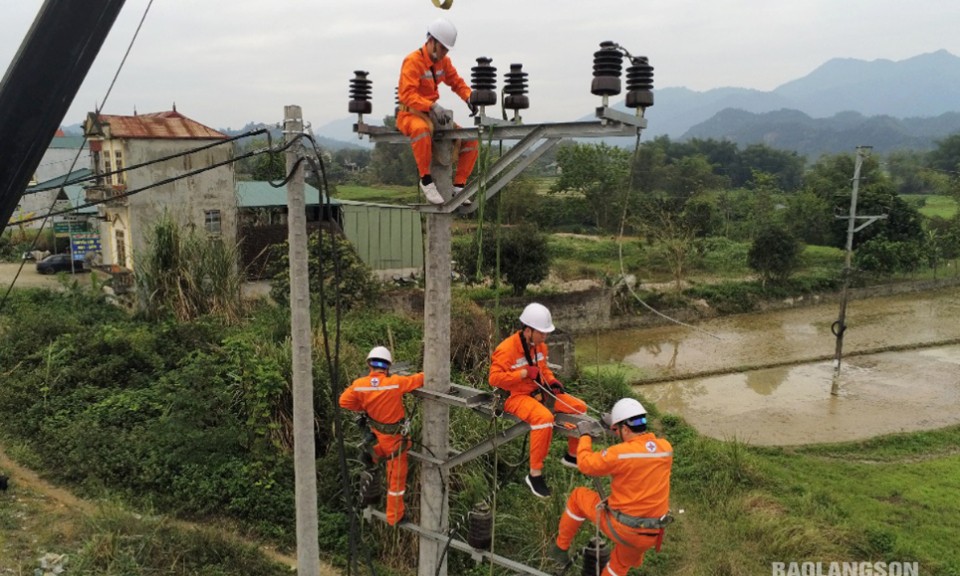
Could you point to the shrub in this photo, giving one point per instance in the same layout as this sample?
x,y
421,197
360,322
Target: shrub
x,y
333,267
775,254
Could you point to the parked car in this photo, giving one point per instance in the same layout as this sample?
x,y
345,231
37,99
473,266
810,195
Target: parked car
x,y
59,263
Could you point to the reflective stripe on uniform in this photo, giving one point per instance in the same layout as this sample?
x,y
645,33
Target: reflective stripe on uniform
x,y
644,455
610,570
396,493
419,137
574,516
541,426
376,388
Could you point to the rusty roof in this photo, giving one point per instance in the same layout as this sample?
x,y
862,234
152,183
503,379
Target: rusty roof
x,y
169,124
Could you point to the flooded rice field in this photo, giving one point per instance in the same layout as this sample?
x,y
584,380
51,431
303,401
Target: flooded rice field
x,y
766,378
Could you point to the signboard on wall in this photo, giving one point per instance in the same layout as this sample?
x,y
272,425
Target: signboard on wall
x,y
81,244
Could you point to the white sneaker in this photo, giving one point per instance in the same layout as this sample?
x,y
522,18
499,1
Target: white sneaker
x,y
430,191
456,191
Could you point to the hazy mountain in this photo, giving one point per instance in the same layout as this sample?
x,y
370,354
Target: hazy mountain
x,y
920,87
794,130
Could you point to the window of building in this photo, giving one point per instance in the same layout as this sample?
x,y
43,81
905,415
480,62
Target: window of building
x,y
121,248
118,161
211,221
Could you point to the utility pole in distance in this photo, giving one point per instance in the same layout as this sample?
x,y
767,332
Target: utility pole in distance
x,y
839,327
304,451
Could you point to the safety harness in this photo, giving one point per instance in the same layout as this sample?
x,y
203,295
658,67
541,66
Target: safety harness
x,y
656,525
547,399
370,440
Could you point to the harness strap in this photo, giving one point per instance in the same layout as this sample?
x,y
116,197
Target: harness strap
x,y
422,115
608,515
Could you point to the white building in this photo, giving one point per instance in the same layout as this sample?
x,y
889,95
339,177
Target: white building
x,y
137,199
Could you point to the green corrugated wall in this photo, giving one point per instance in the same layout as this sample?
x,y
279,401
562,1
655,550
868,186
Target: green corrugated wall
x,y
385,238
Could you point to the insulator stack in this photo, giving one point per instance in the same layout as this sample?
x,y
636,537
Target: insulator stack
x,y
370,488
483,78
480,527
639,83
396,101
516,89
607,65
360,89
595,557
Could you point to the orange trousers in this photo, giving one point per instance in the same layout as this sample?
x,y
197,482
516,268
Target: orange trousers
x,y
421,140
629,544
393,448
540,419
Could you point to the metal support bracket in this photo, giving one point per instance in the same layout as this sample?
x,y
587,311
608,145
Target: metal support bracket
x,y
477,555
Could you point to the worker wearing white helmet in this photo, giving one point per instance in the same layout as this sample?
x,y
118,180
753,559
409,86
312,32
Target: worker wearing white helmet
x,y
635,514
520,367
419,114
379,395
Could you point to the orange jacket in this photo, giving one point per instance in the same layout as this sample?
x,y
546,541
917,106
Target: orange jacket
x,y
639,471
509,361
380,395
420,77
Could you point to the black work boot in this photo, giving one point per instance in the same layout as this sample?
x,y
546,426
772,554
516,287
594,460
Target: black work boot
x,y
538,485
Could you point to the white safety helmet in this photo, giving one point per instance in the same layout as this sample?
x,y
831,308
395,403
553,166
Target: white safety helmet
x,y
443,31
627,409
380,357
537,317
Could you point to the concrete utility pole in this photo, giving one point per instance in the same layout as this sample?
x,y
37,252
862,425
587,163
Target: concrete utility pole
x,y
304,451
839,327
436,364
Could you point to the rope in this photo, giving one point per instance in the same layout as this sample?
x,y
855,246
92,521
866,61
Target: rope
x,y
623,274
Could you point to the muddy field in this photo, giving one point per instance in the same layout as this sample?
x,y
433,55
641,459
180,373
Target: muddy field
x,y
770,374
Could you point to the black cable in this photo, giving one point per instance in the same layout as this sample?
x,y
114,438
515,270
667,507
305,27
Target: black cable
x,y
150,162
153,185
73,164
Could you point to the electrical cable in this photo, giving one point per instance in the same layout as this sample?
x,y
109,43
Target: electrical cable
x,y
106,95
333,361
623,273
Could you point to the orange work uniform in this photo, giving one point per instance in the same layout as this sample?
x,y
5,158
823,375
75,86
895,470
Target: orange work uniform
x,y
639,487
508,363
381,396
420,78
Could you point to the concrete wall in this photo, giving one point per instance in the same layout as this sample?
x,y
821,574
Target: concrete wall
x,y
185,200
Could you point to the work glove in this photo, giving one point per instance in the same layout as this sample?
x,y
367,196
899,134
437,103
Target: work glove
x,y
532,372
440,116
589,429
556,387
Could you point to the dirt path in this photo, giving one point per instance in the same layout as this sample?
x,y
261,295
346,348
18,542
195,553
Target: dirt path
x,y
70,510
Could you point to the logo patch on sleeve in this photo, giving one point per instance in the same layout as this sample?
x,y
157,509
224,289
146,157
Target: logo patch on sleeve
x,y
651,446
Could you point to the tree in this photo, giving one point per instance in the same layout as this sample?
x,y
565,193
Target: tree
x,y
599,172
774,255
393,163
673,231
524,256
333,266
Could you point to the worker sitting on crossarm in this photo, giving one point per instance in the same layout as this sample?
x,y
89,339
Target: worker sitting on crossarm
x,y
520,367
379,395
636,512
420,76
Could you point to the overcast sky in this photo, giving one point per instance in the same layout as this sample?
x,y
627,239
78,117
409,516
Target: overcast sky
x,y
228,62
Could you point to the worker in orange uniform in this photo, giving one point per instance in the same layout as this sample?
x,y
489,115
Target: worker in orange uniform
x,y
520,367
380,396
636,512
419,113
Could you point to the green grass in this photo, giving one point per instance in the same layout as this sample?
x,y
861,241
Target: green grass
x,y
380,194
575,257
932,205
